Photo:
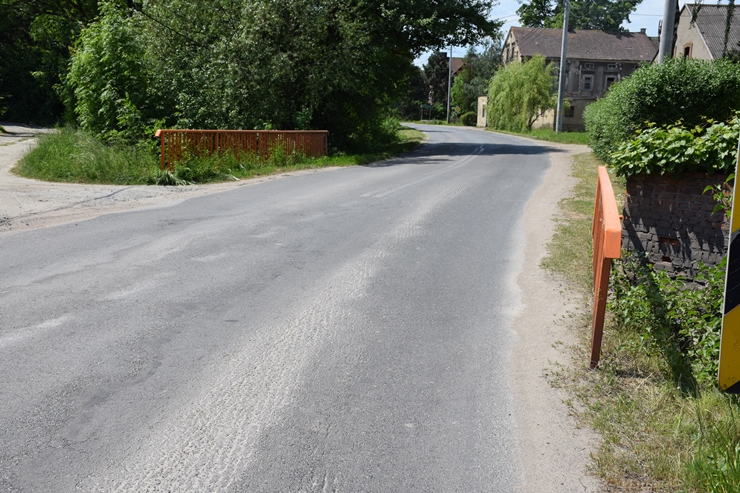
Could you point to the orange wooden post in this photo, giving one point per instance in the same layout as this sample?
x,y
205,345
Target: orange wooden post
x,y
160,134
606,234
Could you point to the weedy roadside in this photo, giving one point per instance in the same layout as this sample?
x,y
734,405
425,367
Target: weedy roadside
x,y
664,424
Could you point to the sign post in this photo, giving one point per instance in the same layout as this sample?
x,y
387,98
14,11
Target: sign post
x,y
729,350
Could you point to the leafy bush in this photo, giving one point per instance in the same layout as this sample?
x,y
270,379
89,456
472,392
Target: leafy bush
x,y
679,321
676,149
469,119
519,93
679,89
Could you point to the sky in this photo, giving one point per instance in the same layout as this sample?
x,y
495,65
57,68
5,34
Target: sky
x,y
647,15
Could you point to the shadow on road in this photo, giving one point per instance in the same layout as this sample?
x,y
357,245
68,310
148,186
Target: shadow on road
x,y
431,153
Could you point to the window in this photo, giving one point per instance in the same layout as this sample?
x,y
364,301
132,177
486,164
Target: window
x,y
611,66
588,65
588,82
570,112
610,80
687,50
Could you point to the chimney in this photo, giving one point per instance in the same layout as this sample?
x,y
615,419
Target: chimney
x,y
643,30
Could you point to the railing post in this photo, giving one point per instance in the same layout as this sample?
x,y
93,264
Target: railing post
x,y
606,235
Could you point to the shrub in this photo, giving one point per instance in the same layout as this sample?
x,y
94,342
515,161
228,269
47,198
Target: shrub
x,y
469,119
679,89
676,149
670,318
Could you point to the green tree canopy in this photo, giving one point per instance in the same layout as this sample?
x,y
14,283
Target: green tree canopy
x,y
473,79
326,64
519,93
602,15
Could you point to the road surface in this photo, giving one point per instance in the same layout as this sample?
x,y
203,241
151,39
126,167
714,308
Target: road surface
x,y
349,330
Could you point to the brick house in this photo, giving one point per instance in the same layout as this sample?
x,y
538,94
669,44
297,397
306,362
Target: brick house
x,y
595,60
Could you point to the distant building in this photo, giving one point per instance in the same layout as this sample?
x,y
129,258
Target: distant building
x,y
705,39
482,102
595,60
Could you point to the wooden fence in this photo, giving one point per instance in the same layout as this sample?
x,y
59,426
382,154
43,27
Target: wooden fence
x,y
606,233
176,145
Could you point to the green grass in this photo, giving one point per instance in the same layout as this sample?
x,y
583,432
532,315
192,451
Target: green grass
x,y
549,135
75,156
654,436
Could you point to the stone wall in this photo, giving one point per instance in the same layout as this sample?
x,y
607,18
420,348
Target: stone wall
x,y
671,220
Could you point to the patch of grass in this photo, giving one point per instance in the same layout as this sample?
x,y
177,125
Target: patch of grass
x,y
549,135
655,436
76,156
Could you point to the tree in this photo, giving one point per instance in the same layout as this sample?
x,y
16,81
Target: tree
x,y
519,93
436,75
473,79
602,15
329,64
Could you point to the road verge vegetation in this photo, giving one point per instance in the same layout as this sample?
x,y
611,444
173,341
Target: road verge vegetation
x,y
76,156
665,425
549,135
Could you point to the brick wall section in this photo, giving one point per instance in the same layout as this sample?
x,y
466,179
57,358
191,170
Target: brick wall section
x,y
671,220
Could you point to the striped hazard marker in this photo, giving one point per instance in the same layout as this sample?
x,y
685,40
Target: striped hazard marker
x,y
729,351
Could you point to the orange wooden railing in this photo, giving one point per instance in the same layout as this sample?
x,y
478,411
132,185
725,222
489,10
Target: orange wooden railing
x,y
175,145
606,233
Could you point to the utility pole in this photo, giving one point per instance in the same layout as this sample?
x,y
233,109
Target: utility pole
x,y
561,77
449,84
666,33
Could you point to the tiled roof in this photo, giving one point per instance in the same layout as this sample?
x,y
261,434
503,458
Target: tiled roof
x,y
457,64
711,21
585,45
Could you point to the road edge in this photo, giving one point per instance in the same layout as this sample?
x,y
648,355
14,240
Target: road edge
x,y
554,452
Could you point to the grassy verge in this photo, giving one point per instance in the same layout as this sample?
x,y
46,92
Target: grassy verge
x,y
74,156
657,435
549,135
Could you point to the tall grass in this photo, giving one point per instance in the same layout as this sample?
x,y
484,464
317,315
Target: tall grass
x,y
75,156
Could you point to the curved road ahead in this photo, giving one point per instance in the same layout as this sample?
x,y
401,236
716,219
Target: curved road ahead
x,y
346,330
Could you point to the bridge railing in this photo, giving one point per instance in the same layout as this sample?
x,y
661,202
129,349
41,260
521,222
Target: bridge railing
x,y
606,233
176,145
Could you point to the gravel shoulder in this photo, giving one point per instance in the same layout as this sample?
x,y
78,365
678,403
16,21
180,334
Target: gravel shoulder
x,y
555,451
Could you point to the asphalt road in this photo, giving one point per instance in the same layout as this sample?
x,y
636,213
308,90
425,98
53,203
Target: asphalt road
x,y
347,330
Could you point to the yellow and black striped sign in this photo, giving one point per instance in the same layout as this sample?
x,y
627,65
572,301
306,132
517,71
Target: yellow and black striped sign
x,y
729,351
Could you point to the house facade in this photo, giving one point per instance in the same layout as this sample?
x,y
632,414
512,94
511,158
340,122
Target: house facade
x,y
595,60
705,38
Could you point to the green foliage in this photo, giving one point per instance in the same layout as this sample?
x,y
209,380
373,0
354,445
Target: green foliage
x,y
469,119
35,36
472,81
716,465
519,93
675,149
324,64
78,156
722,194
686,90
109,78
602,15
680,322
